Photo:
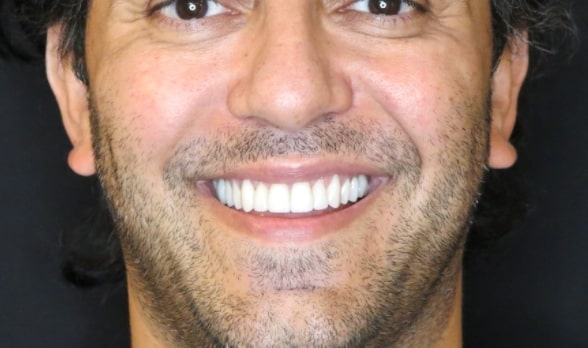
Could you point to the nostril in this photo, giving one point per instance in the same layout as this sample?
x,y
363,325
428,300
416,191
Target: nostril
x,y
288,103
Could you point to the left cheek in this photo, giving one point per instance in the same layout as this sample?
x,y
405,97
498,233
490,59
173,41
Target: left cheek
x,y
432,101
419,104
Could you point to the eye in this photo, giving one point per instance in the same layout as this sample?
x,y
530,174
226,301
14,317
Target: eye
x,y
191,9
385,7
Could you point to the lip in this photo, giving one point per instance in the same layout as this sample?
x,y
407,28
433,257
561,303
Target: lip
x,y
291,228
290,170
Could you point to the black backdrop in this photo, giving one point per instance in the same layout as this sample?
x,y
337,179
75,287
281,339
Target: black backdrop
x,y
530,290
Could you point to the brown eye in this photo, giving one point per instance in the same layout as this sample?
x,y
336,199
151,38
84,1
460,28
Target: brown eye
x,y
191,9
385,7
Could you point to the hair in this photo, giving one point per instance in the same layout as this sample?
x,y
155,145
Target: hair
x,y
92,254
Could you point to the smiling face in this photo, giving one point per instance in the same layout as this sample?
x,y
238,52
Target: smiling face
x,y
289,173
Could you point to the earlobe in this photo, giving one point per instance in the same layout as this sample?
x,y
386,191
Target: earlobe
x,y
72,99
507,82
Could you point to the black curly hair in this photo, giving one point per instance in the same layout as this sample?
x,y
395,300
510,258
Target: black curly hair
x,y
92,254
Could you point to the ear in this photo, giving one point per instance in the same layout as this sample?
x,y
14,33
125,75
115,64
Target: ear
x,y
72,99
507,82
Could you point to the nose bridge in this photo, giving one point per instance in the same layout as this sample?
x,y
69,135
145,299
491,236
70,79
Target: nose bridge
x,y
289,81
289,40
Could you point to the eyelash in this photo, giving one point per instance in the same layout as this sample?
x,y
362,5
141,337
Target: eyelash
x,y
411,3
158,7
417,7
155,12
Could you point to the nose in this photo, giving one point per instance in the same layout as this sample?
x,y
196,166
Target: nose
x,y
287,78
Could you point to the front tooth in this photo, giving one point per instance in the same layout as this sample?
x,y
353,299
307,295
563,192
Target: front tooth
x,y
237,195
345,192
301,198
319,196
362,187
334,192
260,204
354,190
247,196
278,200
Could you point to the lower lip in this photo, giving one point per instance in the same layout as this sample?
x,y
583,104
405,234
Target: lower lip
x,y
291,228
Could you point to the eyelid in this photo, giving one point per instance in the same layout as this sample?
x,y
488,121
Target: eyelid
x,y
164,4
157,7
402,25
205,27
415,5
214,8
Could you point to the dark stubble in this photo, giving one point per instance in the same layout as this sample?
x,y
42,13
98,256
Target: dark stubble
x,y
172,262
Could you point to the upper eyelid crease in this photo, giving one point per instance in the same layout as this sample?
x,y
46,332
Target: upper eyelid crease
x,y
157,7
417,6
358,19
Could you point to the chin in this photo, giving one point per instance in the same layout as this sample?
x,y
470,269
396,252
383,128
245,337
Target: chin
x,y
299,318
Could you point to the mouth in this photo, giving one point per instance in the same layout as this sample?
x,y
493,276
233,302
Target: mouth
x,y
299,198
293,203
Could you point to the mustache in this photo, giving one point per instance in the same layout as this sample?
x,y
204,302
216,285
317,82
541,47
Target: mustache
x,y
388,149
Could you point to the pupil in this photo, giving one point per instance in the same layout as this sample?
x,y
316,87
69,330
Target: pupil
x,y
191,9
385,7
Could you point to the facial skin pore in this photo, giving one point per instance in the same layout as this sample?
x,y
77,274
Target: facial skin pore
x,y
282,92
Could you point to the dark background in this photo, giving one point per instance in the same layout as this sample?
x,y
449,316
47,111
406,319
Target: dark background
x,y
528,290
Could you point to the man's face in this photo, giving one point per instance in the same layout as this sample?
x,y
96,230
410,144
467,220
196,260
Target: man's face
x,y
291,173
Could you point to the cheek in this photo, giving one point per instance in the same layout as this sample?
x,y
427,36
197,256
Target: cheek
x,y
433,99
159,100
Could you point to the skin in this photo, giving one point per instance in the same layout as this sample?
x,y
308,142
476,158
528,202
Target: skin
x,y
285,90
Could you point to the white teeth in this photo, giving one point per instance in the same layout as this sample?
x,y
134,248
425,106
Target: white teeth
x,y
299,197
229,193
362,186
278,199
220,191
345,192
334,192
260,202
247,195
353,189
319,196
237,195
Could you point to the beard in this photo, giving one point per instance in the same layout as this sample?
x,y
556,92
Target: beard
x,y
199,285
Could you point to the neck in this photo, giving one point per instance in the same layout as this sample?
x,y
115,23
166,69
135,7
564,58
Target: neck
x,y
143,335
452,335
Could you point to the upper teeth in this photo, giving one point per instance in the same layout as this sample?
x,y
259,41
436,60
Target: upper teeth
x,y
299,197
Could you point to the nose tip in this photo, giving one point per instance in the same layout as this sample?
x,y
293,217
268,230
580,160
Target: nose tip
x,y
289,80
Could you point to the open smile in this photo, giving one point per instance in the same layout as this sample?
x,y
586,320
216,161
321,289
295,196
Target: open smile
x,y
300,197
292,203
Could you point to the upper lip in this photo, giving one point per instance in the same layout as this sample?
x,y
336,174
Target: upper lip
x,y
296,169
281,228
